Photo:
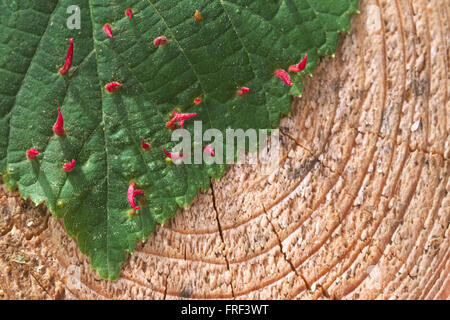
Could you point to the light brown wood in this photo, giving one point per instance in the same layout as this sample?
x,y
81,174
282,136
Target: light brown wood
x,y
359,208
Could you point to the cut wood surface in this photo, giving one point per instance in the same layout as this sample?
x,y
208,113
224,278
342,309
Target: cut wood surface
x,y
359,207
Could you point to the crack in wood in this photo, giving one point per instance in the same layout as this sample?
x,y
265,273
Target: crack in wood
x,y
225,255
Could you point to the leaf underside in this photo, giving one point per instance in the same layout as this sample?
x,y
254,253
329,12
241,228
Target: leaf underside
x,y
239,43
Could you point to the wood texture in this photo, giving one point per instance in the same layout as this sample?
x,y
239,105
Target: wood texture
x,y
358,209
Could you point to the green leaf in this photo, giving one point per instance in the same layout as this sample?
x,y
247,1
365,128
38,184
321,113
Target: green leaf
x,y
239,43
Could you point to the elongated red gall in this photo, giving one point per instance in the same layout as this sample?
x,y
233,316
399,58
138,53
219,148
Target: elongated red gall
x,y
129,13
132,193
112,87
145,145
68,167
179,118
32,154
283,75
172,155
58,127
69,59
243,91
107,29
301,66
160,41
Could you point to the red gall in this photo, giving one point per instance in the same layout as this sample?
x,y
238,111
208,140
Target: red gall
x,y
132,193
283,75
160,41
69,59
243,91
179,118
107,29
145,145
32,154
301,66
210,150
171,155
68,167
113,86
129,13
58,127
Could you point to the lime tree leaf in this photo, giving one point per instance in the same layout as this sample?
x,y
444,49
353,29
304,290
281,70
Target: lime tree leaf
x,y
239,43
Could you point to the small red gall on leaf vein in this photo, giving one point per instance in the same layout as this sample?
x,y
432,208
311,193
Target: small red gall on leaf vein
x,y
32,154
112,87
198,101
68,167
129,13
198,16
171,155
210,150
301,66
179,118
69,59
132,193
107,29
58,127
145,145
283,75
243,91
160,41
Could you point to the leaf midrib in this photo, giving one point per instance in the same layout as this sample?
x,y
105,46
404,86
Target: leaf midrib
x,y
103,122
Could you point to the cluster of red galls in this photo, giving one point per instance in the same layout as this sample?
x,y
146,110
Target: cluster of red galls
x,y
177,117
59,130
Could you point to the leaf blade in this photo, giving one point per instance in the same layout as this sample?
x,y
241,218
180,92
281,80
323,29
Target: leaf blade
x,y
239,43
